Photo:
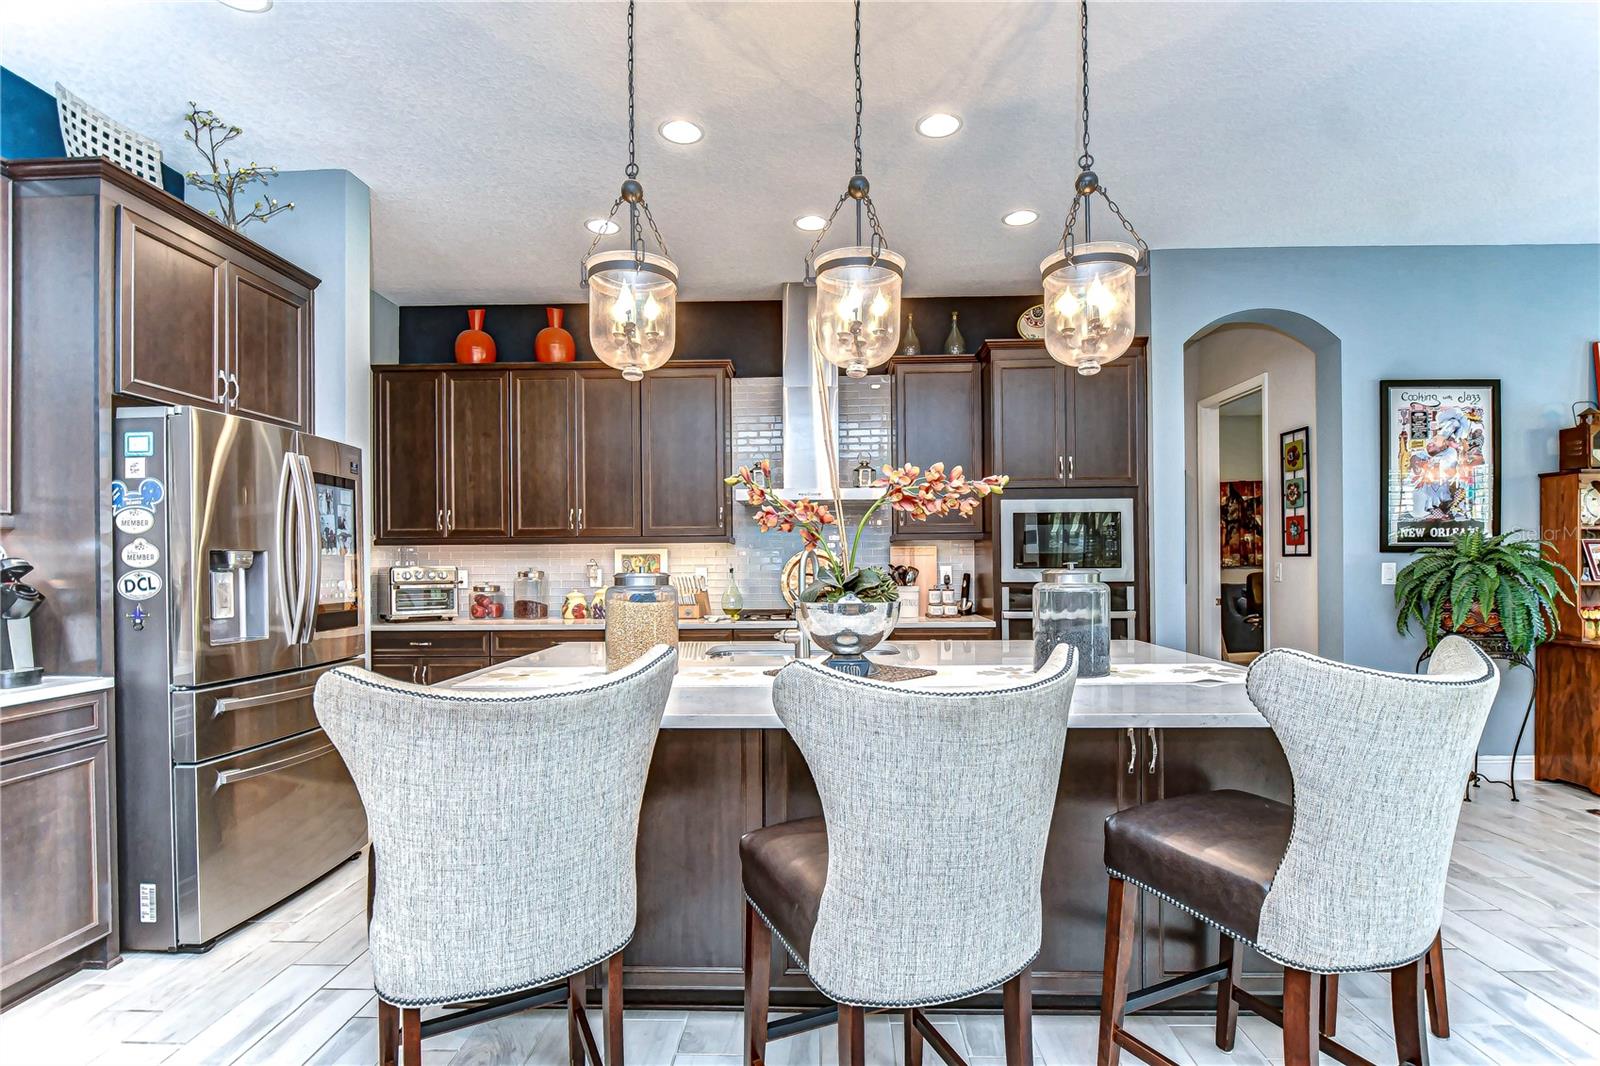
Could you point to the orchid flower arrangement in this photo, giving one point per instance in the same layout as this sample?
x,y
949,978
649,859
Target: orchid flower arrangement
x,y
922,494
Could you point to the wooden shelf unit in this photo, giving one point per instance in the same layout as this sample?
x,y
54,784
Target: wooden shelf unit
x,y
1566,727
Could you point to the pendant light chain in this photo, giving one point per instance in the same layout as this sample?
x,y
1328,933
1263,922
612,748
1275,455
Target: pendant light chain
x,y
632,169
858,89
1085,161
858,188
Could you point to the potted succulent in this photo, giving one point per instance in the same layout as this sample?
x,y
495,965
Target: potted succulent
x,y
1498,591
848,609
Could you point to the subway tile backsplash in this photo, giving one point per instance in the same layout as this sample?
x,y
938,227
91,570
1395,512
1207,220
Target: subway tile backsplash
x,y
754,558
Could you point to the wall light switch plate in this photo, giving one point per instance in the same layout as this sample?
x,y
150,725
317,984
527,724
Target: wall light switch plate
x,y
700,572
463,579
1388,573
1277,571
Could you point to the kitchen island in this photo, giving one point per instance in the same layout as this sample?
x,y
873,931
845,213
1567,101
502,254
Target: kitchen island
x,y
1166,723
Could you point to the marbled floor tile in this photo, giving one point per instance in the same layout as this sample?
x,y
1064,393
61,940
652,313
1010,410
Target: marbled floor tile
x,y
231,1035
306,1029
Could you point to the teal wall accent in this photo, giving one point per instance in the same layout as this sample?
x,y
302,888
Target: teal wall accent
x,y
1523,314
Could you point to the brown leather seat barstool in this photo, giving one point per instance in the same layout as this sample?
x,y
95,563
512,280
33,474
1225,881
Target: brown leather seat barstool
x,y
1349,879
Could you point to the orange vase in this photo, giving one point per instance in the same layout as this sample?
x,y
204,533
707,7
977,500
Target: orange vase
x,y
473,345
554,344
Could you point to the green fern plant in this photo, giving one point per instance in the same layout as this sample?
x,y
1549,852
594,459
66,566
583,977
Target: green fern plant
x,y
1478,583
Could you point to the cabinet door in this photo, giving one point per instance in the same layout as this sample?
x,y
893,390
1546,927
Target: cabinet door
x,y
544,425
1178,762
407,416
608,455
476,455
398,669
1027,422
171,295
55,849
1105,424
437,670
938,417
684,452
269,348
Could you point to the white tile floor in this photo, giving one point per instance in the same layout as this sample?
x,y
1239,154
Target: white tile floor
x,y
1522,934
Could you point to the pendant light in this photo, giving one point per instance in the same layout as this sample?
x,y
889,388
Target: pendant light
x,y
633,293
1088,284
856,323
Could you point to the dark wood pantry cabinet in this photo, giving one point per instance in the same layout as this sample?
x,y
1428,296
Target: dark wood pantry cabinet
x,y
1051,427
938,417
195,313
551,452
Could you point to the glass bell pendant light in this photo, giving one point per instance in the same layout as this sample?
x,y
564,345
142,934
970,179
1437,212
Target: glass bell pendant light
x,y
856,322
1089,301
633,293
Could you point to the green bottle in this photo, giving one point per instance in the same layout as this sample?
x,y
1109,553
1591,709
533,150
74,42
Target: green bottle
x,y
732,598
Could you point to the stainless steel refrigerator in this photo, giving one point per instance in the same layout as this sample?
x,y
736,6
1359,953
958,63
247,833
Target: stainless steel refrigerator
x,y
237,583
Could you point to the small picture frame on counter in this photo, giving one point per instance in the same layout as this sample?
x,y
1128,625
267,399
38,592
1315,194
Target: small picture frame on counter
x,y
641,561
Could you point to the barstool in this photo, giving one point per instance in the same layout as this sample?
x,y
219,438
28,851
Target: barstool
x,y
1350,879
921,882
503,835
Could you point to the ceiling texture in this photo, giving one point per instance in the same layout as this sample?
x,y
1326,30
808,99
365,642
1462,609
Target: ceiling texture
x,y
489,131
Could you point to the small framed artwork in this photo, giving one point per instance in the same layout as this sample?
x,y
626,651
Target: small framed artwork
x,y
1439,466
1242,542
640,561
1591,560
1294,495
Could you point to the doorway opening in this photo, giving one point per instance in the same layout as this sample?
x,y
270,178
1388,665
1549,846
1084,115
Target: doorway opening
x,y
1232,462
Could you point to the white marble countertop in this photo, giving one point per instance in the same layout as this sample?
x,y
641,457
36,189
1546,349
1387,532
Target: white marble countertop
x,y
55,686
1149,687
687,625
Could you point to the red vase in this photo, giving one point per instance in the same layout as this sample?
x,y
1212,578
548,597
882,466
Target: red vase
x,y
554,344
473,345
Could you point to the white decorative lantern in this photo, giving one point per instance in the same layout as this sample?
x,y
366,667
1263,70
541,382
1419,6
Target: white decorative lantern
x,y
633,310
1089,303
856,324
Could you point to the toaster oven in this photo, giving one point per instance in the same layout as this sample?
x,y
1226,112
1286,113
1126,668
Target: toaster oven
x,y
415,593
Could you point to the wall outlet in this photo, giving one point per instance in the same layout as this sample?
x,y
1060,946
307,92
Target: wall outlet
x,y
700,572
1388,573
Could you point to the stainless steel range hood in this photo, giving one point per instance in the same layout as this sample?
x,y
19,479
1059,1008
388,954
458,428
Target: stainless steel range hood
x,y
804,472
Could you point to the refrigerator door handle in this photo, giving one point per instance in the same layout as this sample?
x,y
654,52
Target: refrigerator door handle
x,y
310,569
284,541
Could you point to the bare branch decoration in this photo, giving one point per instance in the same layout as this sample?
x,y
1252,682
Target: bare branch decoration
x,y
210,137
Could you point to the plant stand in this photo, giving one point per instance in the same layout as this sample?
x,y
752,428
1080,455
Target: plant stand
x,y
1495,647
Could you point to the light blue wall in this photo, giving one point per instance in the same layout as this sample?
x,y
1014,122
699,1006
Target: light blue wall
x,y
329,233
1525,315
385,330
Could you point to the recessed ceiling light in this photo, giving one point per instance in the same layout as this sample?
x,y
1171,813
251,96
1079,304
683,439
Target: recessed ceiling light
x,y
681,131
810,223
253,7
1023,217
938,124
600,225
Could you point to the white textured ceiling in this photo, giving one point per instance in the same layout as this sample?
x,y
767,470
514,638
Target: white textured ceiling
x,y
489,131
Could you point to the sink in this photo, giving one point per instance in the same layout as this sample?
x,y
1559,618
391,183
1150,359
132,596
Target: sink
x,y
775,650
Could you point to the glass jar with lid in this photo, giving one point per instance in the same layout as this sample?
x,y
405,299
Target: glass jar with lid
x,y
487,602
641,612
1073,607
527,598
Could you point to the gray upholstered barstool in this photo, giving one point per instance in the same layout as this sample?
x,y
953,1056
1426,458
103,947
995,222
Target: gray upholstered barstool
x,y
503,834
1351,878
921,883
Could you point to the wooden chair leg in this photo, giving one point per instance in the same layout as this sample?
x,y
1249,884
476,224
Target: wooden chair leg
x,y
1438,1007
411,1035
1121,908
757,985
1017,995
913,1040
1227,1006
852,1035
1302,996
611,1009
388,1034
575,1006
1330,1004
1406,996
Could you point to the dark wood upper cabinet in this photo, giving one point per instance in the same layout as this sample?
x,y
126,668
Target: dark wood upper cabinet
x,y
1027,420
407,416
475,455
938,417
684,452
171,291
1105,423
269,342
609,503
544,494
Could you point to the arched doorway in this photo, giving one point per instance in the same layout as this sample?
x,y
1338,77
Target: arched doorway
x,y
1252,376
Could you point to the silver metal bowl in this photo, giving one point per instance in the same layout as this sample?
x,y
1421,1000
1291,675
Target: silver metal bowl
x,y
848,629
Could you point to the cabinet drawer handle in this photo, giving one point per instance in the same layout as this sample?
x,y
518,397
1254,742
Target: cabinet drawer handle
x,y
1071,472
1133,750
449,519
1061,466
1154,747
438,520
580,518
222,397
233,379
419,643
572,519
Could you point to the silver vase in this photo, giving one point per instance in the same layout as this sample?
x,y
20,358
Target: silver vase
x,y
847,629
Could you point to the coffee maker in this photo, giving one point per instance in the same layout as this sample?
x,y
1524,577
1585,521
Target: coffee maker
x,y
17,602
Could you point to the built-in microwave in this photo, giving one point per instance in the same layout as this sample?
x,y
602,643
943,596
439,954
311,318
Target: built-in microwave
x,y
1045,534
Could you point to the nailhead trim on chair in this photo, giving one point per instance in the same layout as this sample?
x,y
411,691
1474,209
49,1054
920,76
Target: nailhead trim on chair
x,y
509,990
447,696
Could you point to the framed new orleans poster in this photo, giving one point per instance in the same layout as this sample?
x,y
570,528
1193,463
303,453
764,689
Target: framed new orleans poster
x,y
1440,461
1294,491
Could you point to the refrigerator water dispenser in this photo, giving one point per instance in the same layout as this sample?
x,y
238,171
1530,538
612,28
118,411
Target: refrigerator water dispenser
x,y
238,596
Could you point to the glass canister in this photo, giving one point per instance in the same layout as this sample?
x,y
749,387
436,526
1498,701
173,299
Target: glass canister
x,y
1073,607
488,601
641,611
527,597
